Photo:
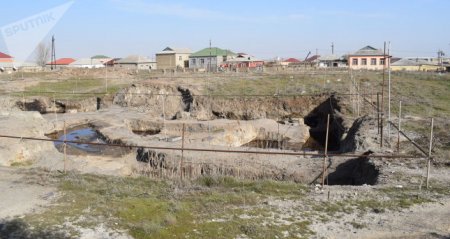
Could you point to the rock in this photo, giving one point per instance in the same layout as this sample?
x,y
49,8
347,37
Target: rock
x,y
23,124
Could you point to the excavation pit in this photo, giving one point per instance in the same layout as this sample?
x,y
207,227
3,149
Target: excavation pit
x,y
88,142
356,172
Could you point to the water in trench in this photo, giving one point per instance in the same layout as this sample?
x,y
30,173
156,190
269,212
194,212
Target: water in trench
x,y
147,132
84,135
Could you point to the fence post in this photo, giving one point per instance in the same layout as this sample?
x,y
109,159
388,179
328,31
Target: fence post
x,y
378,112
65,147
399,125
326,152
182,151
429,153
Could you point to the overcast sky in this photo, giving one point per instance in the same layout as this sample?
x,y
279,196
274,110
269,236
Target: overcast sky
x,y
266,29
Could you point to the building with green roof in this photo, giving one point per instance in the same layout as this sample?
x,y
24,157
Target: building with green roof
x,y
209,59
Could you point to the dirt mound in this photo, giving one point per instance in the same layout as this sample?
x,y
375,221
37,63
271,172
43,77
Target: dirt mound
x,y
242,108
362,136
46,105
179,102
42,105
158,100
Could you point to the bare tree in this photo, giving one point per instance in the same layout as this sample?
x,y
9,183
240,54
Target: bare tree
x,y
42,54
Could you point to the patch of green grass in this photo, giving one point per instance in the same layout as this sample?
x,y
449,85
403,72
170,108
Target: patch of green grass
x,y
357,225
282,84
262,187
152,209
73,88
26,163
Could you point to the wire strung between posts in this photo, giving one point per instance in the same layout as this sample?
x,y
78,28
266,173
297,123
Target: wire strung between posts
x,y
216,150
203,95
410,140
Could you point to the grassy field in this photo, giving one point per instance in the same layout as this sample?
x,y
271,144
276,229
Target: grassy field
x,y
73,88
205,208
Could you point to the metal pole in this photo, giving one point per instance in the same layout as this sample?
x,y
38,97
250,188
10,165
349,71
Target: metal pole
x,y
326,152
182,151
382,97
429,153
378,112
389,92
106,78
65,147
399,125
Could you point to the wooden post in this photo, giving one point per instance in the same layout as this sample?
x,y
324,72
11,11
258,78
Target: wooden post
x,y
182,151
54,105
65,147
399,125
378,111
429,153
326,152
382,98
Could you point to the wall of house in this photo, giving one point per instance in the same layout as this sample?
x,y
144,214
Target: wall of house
x,y
415,68
140,66
165,61
204,62
6,59
87,66
368,65
171,61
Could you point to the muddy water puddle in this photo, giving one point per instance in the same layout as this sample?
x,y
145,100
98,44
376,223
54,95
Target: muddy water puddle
x,y
85,135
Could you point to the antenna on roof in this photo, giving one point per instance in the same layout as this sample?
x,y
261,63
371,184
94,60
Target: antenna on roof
x,y
53,57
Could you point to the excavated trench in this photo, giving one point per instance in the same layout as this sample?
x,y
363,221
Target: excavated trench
x,y
86,134
352,172
317,121
45,105
356,172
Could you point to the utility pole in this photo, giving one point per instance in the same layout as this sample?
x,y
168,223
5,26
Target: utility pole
x,y
332,48
317,57
210,56
441,59
53,57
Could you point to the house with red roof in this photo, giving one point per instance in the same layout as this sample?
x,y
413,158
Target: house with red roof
x,y
62,62
6,58
242,60
290,61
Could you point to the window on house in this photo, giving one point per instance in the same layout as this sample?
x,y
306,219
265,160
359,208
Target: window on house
x,y
382,61
202,61
180,58
373,61
364,61
194,61
224,58
355,62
